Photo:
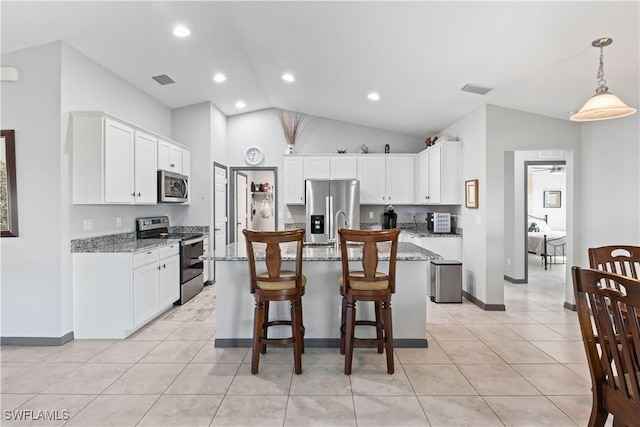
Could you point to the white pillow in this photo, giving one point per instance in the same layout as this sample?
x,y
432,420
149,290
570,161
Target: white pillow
x,y
543,226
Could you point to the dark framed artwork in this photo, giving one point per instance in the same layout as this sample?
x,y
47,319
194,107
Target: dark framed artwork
x,y
8,188
552,199
471,194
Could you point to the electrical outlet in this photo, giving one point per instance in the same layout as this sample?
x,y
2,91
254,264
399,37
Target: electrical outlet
x,y
88,224
413,215
370,215
508,261
118,221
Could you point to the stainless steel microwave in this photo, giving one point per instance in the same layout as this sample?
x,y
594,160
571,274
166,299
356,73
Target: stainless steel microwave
x,y
172,187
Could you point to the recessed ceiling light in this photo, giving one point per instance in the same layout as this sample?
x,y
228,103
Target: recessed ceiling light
x,y
288,77
181,31
240,104
374,96
219,77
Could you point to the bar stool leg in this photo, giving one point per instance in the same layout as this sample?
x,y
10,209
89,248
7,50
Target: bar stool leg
x,y
343,320
258,330
265,326
349,333
379,325
296,331
388,334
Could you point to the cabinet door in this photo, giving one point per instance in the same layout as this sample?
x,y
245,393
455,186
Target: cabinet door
x,y
169,157
400,180
293,181
435,170
317,168
343,167
422,182
169,280
118,163
146,175
145,293
186,162
371,172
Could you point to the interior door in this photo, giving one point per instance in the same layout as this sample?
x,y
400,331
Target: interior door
x,y
241,206
220,207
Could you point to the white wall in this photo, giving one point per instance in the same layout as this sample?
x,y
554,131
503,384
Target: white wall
x,y
545,181
31,263
321,135
610,185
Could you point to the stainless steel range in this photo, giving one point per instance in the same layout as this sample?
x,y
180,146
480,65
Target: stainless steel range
x,y
191,250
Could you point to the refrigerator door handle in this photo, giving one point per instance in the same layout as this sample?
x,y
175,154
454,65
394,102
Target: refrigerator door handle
x,y
329,216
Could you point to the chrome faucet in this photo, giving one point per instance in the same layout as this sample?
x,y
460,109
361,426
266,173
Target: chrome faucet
x,y
335,226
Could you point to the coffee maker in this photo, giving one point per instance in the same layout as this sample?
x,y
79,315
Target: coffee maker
x,y
389,218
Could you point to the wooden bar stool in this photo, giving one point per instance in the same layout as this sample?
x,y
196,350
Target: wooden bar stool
x,y
371,285
276,284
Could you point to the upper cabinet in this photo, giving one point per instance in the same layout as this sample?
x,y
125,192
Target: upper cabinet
x,y
293,180
344,167
169,157
115,162
439,171
386,179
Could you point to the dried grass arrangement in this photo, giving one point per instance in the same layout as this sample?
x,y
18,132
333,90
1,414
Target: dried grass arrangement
x,y
292,125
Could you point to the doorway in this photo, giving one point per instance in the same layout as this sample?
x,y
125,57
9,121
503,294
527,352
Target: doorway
x,y
545,210
220,209
255,200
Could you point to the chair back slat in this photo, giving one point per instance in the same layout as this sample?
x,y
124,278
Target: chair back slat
x,y
610,304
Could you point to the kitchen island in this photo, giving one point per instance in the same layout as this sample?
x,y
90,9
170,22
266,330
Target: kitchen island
x,y
322,301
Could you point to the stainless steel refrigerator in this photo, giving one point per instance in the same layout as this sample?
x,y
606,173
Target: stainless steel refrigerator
x,y
324,200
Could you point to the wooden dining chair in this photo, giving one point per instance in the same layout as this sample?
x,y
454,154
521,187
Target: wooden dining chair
x,y
609,313
620,259
275,284
367,284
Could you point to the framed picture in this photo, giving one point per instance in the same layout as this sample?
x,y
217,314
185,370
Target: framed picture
x,y
8,188
471,194
552,199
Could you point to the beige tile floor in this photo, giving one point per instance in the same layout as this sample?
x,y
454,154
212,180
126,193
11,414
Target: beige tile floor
x,y
522,367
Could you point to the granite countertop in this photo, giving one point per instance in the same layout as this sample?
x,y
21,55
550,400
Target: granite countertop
x,y
406,252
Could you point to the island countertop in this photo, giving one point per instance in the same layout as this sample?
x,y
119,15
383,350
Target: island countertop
x,y
406,252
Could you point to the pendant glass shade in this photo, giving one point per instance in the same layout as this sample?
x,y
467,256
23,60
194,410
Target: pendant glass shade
x,y
602,106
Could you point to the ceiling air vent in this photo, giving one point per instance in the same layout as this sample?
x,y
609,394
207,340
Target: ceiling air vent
x,y
477,89
163,79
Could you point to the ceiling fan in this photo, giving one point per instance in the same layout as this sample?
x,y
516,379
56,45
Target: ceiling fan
x,y
552,169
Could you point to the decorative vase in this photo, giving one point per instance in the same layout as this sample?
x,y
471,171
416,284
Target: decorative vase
x,y
290,149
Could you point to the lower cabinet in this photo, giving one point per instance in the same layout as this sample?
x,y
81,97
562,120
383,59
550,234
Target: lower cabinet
x,y
117,293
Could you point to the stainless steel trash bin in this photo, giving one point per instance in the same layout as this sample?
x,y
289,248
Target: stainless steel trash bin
x,y
446,281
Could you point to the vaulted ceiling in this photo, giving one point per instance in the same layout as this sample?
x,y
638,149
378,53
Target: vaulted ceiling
x,y
417,55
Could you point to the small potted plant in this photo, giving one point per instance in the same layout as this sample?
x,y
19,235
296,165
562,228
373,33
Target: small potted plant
x,y
292,126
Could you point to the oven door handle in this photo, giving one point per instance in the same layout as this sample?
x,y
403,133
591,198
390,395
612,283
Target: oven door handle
x,y
192,241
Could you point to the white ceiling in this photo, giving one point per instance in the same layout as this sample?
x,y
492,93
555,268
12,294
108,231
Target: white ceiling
x,y
417,55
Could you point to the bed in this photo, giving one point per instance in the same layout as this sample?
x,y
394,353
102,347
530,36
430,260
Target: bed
x,y
542,240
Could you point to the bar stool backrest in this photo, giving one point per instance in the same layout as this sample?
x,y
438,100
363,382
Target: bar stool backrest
x,y
619,259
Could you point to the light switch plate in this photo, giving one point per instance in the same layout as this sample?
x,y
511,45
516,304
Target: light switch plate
x,y
88,224
118,221
478,220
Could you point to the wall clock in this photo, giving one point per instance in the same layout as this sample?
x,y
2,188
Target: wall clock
x,y
253,155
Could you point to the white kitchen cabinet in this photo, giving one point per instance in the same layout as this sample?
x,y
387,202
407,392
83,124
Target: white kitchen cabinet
x,y
386,179
439,171
344,167
169,156
113,161
117,293
169,275
186,162
317,167
145,169
293,179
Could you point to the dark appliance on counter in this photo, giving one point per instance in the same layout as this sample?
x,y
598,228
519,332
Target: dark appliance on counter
x,y
191,251
389,218
439,222
172,187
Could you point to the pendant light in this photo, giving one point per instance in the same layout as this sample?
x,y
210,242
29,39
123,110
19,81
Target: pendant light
x,y
603,105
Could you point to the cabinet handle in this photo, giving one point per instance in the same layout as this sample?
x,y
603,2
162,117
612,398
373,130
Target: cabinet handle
x,y
133,194
173,165
138,194
158,267
164,265
216,229
149,253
